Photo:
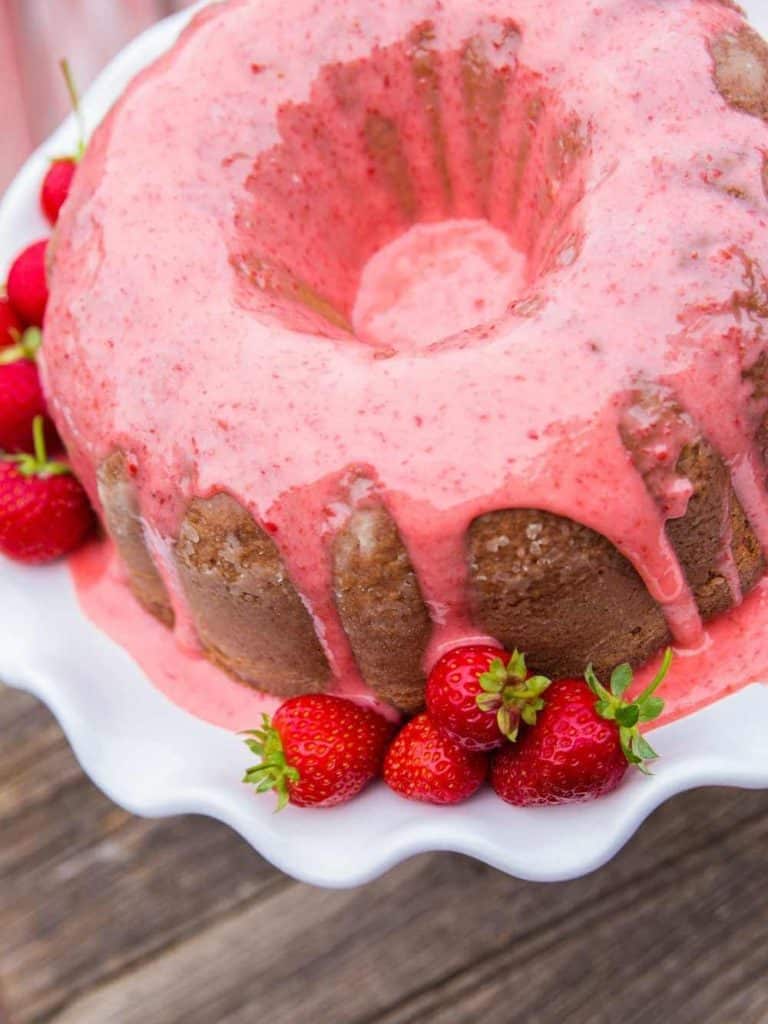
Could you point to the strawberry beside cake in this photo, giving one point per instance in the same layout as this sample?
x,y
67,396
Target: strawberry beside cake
x,y
379,330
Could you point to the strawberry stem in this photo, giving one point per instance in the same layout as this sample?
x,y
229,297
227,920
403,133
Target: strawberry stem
x,y
658,679
37,464
512,694
77,110
630,714
26,346
38,436
273,771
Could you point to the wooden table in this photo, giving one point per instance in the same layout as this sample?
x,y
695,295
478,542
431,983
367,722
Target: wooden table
x,y
109,918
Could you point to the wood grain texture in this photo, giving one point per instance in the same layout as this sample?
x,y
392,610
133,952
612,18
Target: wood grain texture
x,y
107,918
84,887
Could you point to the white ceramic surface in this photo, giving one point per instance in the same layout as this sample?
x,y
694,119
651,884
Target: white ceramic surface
x,y
155,759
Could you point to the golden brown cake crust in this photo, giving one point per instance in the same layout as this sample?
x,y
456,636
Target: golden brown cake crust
x,y
564,595
249,617
560,592
741,70
381,607
122,518
697,537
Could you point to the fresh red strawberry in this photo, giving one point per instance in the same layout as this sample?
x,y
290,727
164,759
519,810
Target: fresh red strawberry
x,y
21,396
58,180
479,695
44,511
56,187
28,286
581,746
317,751
21,399
10,325
425,763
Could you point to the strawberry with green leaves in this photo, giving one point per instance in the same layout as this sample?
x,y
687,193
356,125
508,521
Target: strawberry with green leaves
x,y
585,739
480,694
629,715
44,511
21,394
317,751
58,181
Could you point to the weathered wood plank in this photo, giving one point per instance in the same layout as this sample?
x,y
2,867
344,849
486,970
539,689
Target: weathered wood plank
x,y
687,946
5,1017
86,915
85,889
39,838
35,759
13,705
389,951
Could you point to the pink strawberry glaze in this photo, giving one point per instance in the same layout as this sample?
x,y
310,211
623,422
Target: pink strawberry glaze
x,y
185,677
735,654
176,669
209,265
461,270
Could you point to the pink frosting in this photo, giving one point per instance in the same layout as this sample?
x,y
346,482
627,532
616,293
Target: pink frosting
x,y
209,266
183,675
735,654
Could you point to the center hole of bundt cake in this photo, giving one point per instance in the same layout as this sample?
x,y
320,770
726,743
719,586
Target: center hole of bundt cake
x,y
417,192
435,281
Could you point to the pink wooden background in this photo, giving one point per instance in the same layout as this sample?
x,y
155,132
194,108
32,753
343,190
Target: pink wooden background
x,y
34,36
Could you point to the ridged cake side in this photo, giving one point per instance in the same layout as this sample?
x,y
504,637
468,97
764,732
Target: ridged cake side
x,y
381,607
122,518
249,617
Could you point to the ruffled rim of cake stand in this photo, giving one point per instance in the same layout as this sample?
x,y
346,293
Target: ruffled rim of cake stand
x,y
156,760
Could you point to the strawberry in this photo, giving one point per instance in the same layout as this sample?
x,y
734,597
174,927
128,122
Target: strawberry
x,y
21,396
27,284
479,694
10,325
21,400
580,747
317,751
425,763
58,180
44,511
56,186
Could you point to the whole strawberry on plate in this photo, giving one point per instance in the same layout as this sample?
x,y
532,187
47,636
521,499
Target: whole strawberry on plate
x,y
58,181
44,511
584,741
21,394
317,751
480,694
425,763
28,284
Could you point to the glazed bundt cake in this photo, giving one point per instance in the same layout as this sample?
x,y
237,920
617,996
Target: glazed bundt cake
x,y
377,327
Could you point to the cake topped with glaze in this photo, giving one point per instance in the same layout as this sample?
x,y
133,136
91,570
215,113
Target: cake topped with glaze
x,y
377,328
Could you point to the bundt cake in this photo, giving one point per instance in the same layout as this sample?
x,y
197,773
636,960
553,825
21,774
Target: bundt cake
x,y
377,327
